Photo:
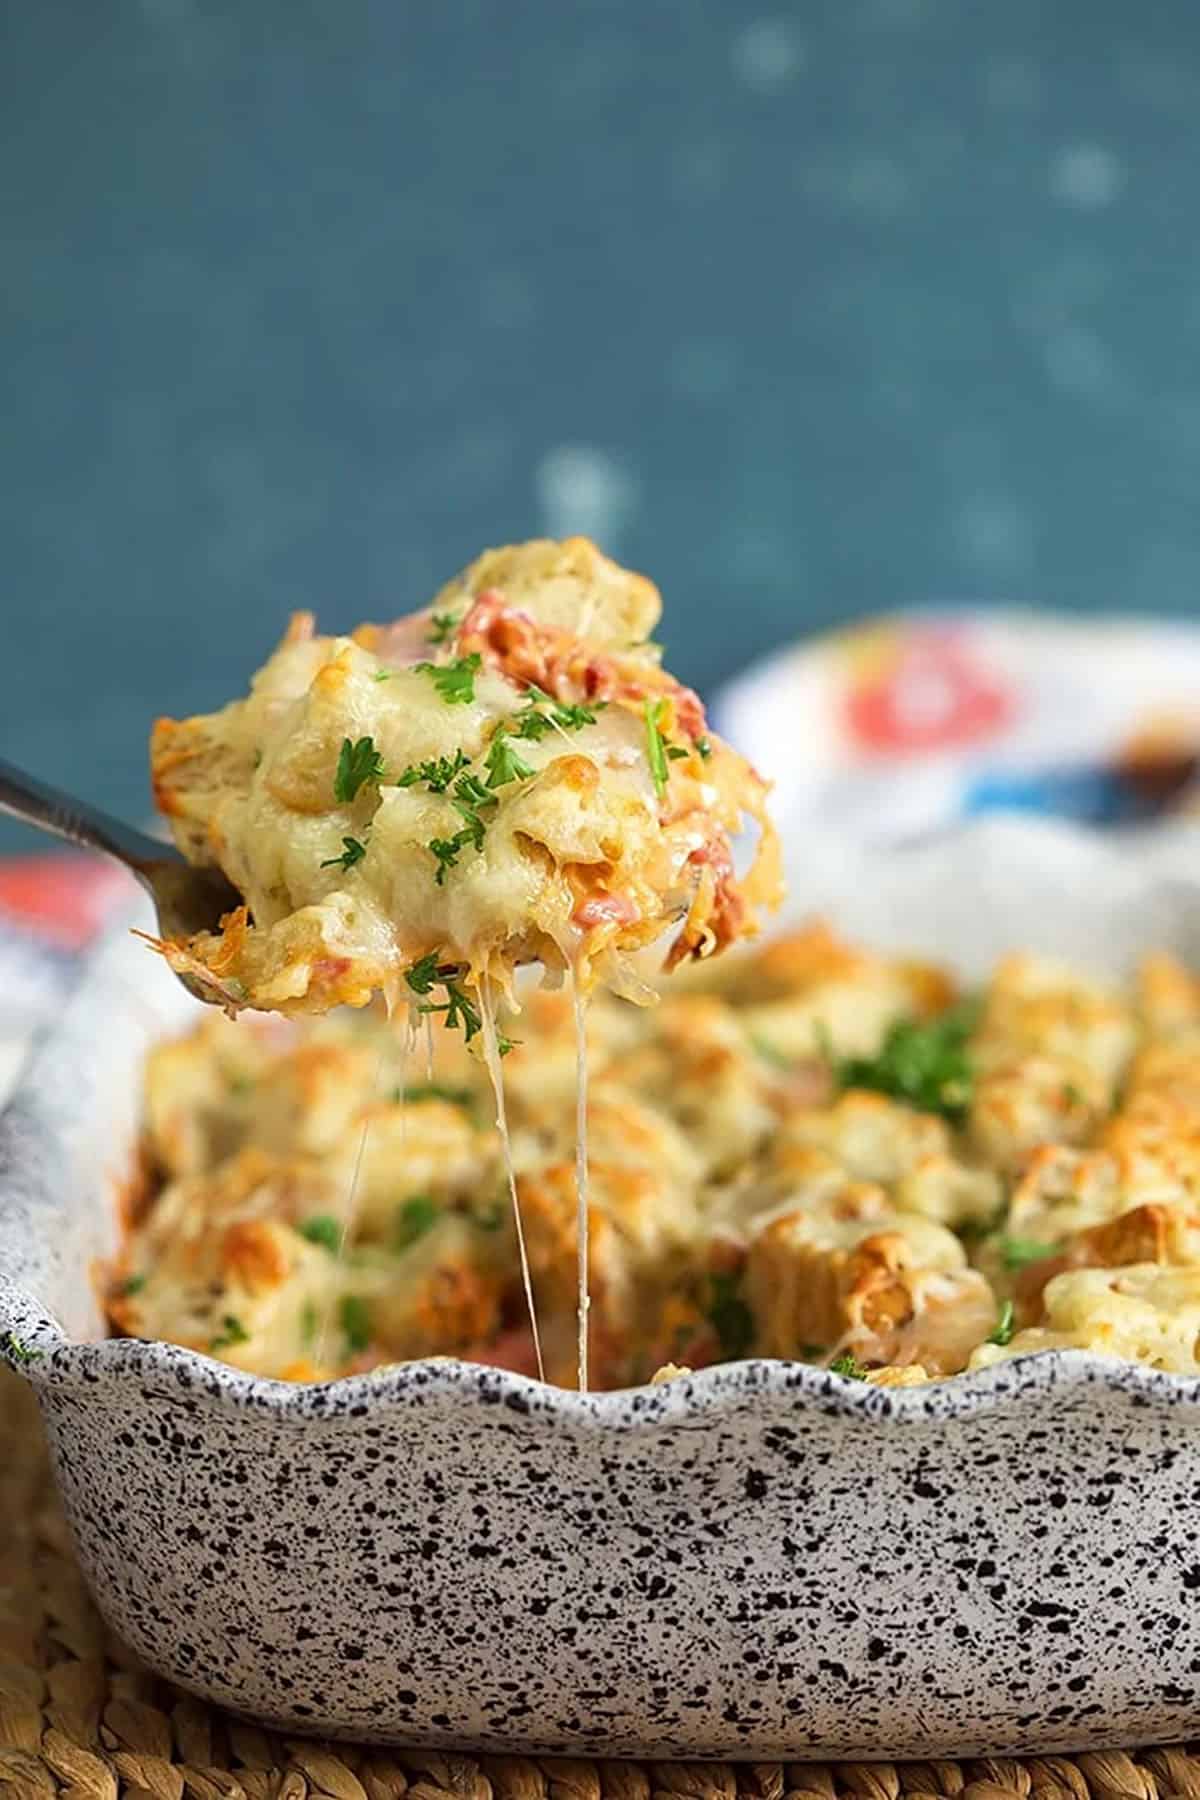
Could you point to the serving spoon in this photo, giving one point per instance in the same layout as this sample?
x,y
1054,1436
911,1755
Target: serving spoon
x,y
186,900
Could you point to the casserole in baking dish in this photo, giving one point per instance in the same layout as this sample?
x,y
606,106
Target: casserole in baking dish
x,y
762,1559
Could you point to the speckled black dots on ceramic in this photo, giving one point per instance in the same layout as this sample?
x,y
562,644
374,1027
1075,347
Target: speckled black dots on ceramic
x,y
763,1561
760,1561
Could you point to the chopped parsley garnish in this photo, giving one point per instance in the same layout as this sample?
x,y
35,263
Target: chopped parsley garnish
x,y
353,851
656,745
383,674
474,824
132,1284
437,774
426,974
459,1009
849,1366
1005,1326
413,1219
704,747
471,801
357,763
434,1090
542,714
677,753
532,725
20,1352
445,854
308,1323
470,795
1017,1253
576,715
503,763
766,1051
730,1317
355,1321
322,1229
232,1332
455,681
423,974
442,627
926,1064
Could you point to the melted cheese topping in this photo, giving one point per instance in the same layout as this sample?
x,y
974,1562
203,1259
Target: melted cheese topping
x,y
739,1201
509,776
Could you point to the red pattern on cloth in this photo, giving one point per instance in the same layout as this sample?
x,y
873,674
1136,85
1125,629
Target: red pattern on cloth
x,y
63,897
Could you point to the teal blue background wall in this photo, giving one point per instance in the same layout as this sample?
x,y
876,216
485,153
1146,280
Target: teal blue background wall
x,y
808,309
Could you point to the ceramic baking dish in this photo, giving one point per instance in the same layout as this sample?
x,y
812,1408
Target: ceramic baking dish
x,y
762,1561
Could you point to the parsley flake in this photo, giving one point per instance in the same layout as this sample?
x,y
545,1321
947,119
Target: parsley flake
x,y
322,1229
358,763
470,791
19,1352
704,746
355,1321
542,714
576,715
459,1008
353,851
423,974
308,1323
414,1217
132,1284
656,746
442,627
1017,1253
455,681
437,774
1005,1326
926,1064
532,725
503,763
445,853
471,800
849,1366
232,1332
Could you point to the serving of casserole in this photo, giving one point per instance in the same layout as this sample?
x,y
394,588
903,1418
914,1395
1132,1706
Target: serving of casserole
x,y
764,1557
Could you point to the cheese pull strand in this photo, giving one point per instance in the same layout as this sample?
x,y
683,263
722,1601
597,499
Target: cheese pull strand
x,y
491,1057
581,1174
350,1211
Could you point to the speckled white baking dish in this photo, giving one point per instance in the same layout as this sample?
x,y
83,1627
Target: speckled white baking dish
x,y
763,1561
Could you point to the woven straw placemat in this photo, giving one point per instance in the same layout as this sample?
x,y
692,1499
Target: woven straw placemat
x,y
80,1717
